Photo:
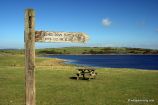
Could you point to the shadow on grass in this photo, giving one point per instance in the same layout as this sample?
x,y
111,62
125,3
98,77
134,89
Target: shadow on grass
x,y
80,78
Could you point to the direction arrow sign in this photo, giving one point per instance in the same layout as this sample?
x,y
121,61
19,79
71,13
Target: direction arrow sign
x,y
45,36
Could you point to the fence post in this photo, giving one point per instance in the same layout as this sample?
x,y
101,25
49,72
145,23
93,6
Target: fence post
x,y
29,37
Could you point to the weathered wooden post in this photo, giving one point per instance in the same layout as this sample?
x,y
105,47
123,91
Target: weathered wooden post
x,y
29,57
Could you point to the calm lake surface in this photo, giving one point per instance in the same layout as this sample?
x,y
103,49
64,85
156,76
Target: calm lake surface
x,y
149,62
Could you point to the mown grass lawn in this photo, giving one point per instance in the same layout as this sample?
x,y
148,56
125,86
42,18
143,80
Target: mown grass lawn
x,y
54,85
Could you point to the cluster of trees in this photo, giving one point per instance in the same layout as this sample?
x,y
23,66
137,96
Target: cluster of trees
x,y
121,51
49,52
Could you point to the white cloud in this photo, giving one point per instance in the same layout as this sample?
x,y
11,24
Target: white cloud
x,y
142,23
106,22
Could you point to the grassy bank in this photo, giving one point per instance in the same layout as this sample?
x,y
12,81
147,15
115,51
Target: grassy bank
x,y
55,84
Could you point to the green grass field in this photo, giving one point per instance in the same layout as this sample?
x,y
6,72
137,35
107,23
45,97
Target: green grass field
x,y
55,85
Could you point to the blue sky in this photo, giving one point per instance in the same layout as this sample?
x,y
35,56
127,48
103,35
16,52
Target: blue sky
x,y
114,23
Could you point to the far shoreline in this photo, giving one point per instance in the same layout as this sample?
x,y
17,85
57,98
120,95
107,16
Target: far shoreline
x,y
98,54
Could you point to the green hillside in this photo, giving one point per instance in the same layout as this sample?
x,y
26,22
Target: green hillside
x,y
96,50
83,50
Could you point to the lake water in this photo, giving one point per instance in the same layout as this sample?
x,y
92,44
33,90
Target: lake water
x,y
149,62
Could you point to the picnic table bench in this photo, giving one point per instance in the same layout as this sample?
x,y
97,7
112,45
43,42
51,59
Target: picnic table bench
x,y
86,71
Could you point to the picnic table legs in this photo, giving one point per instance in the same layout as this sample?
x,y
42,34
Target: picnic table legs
x,y
83,76
78,76
89,77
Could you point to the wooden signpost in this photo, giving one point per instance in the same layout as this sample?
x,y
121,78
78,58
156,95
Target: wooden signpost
x,y
31,36
45,36
29,57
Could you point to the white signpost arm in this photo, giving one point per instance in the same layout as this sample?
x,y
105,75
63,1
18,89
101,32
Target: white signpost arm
x,y
68,37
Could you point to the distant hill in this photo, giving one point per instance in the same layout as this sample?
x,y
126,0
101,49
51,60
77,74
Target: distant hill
x,y
96,50
11,51
84,50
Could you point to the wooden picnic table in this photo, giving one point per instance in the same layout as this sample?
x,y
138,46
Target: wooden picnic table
x,y
85,71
